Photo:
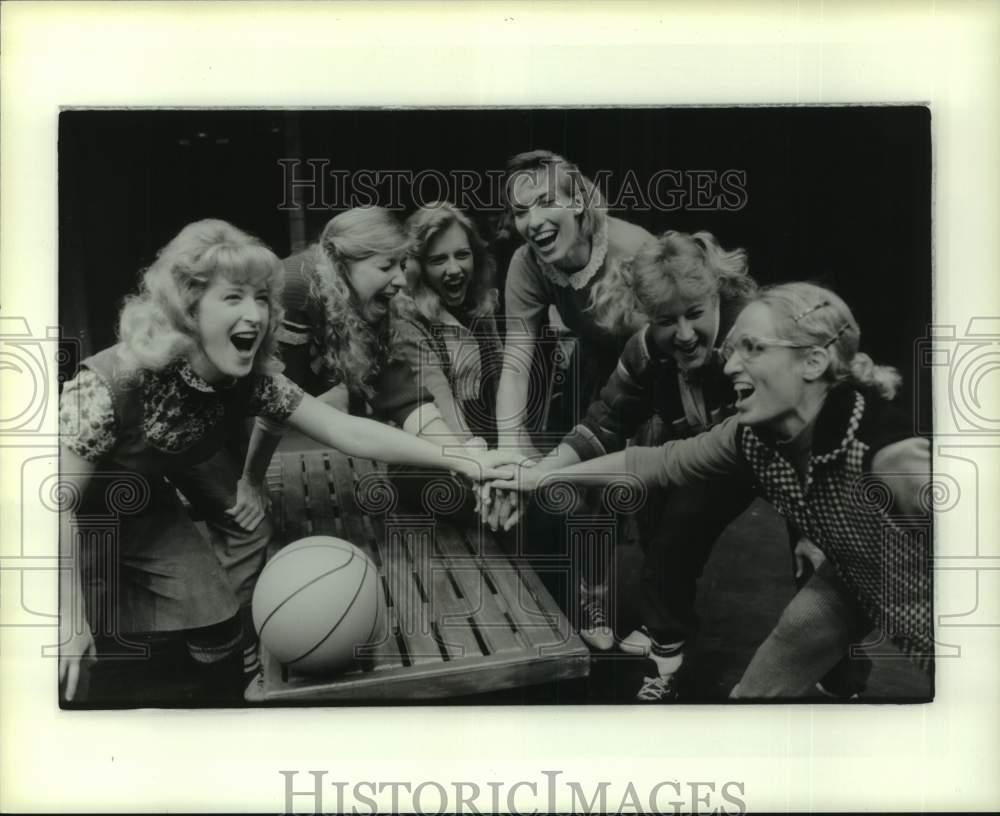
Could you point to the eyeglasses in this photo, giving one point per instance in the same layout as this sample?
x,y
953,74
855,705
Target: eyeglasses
x,y
750,347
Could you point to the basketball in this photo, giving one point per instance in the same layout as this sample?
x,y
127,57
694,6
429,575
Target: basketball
x,y
316,602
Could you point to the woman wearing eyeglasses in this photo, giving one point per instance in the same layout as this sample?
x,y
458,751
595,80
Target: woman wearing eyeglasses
x,y
814,426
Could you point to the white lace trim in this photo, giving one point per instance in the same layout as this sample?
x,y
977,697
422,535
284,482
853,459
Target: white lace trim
x,y
579,279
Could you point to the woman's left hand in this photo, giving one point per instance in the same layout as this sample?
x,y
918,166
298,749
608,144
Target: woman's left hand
x,y
807,553
251,505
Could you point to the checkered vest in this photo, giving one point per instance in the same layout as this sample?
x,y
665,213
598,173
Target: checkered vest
x,y
883,559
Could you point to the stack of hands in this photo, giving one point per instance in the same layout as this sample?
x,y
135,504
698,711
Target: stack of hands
x,y
499,501
500,507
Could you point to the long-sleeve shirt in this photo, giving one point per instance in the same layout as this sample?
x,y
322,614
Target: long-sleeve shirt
x,y
642,385
457,365
858,496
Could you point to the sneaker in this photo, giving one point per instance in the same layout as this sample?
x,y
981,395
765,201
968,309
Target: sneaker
x,y
594,627
658,688
254,692
638,642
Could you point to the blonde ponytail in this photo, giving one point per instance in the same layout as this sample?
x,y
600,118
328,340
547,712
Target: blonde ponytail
x,y
885,380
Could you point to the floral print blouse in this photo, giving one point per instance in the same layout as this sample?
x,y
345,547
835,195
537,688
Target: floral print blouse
x,y
178,409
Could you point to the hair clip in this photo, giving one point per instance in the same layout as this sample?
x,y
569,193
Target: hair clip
x,y
810,310
839,332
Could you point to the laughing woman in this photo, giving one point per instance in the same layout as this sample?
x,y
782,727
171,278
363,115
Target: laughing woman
x,y
196,357
817,431
570,243
451,339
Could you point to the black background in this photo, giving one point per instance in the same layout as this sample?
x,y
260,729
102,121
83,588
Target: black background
x,y
841,196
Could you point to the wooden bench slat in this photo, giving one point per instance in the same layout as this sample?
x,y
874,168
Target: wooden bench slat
x,y
350,515
451,619
414,614
537,619
322,511
293,504
480,601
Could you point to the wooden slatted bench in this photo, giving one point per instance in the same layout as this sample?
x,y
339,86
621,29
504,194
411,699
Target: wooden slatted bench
x,y
464,616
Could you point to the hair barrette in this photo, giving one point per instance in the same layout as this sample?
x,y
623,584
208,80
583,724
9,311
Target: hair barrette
x,y
810,310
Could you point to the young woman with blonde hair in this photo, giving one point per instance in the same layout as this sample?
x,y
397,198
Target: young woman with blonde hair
x,y
570,244
451,339
196,357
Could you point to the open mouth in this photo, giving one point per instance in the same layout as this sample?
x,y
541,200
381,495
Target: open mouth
x,y
244,341
689,349
383,300
545,239
454,286
743,391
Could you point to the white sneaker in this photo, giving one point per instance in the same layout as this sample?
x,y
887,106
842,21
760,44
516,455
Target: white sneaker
x,y
658,688
254,692
594,627
637,643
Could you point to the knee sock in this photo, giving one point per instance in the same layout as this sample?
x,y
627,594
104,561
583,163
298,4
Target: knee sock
x,y
251,653
668,657
215,652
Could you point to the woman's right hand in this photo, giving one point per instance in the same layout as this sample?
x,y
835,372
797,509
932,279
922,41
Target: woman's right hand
x,y
77,644
482,466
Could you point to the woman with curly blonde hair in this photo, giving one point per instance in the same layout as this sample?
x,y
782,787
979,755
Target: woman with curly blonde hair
x,y
338,301
153,413
451,340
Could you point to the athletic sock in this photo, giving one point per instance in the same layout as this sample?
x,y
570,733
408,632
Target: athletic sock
x,y
668,657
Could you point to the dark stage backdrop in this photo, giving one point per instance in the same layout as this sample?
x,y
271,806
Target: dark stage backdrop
x,y
837,195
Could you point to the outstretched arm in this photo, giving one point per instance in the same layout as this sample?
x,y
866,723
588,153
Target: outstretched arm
x,y
356,436
624,403
679,462
512,390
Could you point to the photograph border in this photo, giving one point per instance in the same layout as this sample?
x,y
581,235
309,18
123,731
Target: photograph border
x,y
247,55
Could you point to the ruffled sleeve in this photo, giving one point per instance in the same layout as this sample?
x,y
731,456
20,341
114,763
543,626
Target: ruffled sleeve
x,y
275,397
87,422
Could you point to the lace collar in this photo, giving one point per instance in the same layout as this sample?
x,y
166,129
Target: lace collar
x,y
195,381
598,251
